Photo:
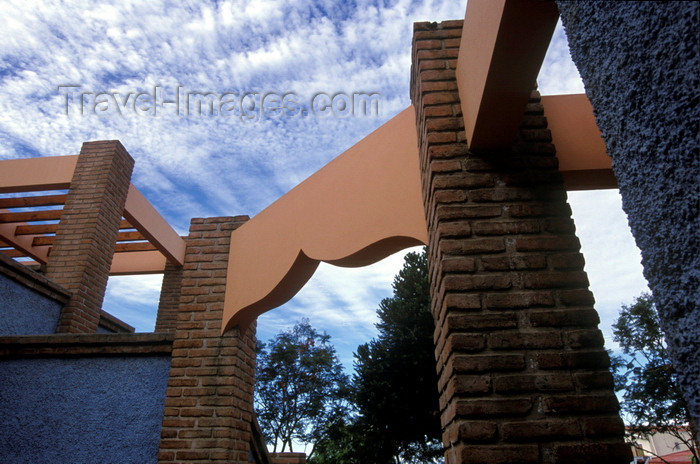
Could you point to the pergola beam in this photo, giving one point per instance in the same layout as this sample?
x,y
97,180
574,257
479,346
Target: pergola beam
x,y
37,174
138,262
583,159
139,212
359,208
501,51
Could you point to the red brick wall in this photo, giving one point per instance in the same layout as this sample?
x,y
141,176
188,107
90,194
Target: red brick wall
x,y
82,251
169,303
288,458
209,401
523,374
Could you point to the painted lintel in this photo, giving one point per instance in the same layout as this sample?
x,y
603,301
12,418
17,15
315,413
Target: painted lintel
x,y
146,219
583,159
138,262
361,207
501,51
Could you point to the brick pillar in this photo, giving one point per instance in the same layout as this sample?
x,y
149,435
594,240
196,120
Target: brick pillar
x,y
209,400
82,251
523,375
169,302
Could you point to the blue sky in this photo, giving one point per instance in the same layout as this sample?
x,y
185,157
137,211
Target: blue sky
x,y
57,54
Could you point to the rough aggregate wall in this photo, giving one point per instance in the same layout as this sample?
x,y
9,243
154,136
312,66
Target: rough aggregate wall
x,y
29,302
24,311
82,410
641,69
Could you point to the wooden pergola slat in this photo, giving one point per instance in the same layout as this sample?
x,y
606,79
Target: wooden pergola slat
x,y
36,229
134,246
121,237
130,236
13,253
25,202
31,216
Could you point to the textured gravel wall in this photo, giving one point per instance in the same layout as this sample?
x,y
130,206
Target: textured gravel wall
x,y
24,311
639,63
82,410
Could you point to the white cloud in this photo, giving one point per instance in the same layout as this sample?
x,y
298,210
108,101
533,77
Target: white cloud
x,y
613,262
558,74
134,300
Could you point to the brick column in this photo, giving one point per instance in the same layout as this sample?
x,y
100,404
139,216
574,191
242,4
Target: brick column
x,y
82,251
523,375
169,302
209,400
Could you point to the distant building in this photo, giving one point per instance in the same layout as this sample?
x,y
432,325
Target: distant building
x,y
659,447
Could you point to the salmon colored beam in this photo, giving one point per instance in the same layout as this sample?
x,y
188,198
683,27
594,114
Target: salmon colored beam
x,y
361,207
500,54
146,219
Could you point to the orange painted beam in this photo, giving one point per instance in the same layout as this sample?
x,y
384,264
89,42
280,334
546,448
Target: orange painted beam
x,y
138,262
34,174
583,159
501,51
361,207
144,217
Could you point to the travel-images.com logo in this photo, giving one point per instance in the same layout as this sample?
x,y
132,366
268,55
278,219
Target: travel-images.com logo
x,y
245,106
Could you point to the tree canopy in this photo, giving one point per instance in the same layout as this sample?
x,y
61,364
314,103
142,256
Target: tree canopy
x,y
651,401
300,386
395,383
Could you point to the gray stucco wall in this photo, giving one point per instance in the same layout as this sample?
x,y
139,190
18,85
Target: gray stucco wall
x,y
640,66
82,410
24,311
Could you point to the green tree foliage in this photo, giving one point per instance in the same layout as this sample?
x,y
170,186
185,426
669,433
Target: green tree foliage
x,y
652,400
395,383
300,386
